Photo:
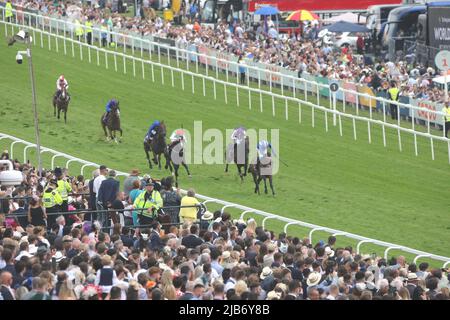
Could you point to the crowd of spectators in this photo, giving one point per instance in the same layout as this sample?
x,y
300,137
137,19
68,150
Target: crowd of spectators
x,y
304,53
207,256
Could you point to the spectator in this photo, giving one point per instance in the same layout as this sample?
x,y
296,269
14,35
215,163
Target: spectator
x,y
36,213
171,198
128,183
189,214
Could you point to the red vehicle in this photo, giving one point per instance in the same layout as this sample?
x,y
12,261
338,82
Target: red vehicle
x,y
320,5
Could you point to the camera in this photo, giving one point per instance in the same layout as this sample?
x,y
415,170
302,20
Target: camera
x,y
19,58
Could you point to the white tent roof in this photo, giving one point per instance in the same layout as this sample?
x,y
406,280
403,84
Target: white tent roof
x,y
348,17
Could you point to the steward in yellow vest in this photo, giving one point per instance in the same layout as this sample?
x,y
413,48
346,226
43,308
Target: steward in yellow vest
x,y
89,25
78,30
52,201
446,110
8,11
151,200
393,93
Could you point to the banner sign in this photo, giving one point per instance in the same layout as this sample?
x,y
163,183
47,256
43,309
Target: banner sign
x,y
366,101
424,115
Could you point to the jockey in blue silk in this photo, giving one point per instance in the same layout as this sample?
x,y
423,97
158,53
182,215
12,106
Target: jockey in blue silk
x,y
152,130
239,135
111,103
262,147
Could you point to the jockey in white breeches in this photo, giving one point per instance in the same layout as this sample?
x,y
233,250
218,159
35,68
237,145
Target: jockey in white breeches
x,y
262,148
239,135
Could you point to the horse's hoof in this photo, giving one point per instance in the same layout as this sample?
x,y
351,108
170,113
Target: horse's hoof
x,y
189,176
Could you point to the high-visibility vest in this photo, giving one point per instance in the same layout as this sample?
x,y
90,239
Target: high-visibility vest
x,y
393,93
78,29
51,198
8,10
154,201
446,110
64,188
88,26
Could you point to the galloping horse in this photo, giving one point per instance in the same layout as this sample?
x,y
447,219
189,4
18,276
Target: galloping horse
x,y
62,103
262,170
174,157
238,153
157,145
112,124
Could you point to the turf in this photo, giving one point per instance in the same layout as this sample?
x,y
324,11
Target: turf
x,y
334,181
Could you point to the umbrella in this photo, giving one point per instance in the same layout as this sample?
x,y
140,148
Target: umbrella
x,y
267,11
343,26
303,15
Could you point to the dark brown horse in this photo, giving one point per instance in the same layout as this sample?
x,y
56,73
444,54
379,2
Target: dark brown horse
x,y
262,170
112,123
157,145
61,102
174,158
238,153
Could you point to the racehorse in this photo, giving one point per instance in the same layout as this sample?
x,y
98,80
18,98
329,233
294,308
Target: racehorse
x,y
235,153
174,157
112,124
262,170
62,103
157,145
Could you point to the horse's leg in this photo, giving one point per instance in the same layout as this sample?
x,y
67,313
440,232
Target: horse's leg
x,y
176,167
155,157
265,185
226,167
257,184
271,185
186,167
240,172
54,107
148,157
246,165
65,116
59,111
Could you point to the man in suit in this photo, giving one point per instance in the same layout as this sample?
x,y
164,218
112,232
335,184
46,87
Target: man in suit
x,y
155,240
92,196
107,193
192,240
21,210
295,290
6,280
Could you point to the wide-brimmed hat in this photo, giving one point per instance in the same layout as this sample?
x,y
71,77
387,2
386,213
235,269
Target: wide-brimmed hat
x,y
207,215
313,279
226,254
265,273
329,252
412,276
58,256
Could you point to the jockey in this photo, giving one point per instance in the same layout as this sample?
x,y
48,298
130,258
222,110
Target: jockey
x,y
239,135
60,84
176,137
111,103
262,148
152,130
